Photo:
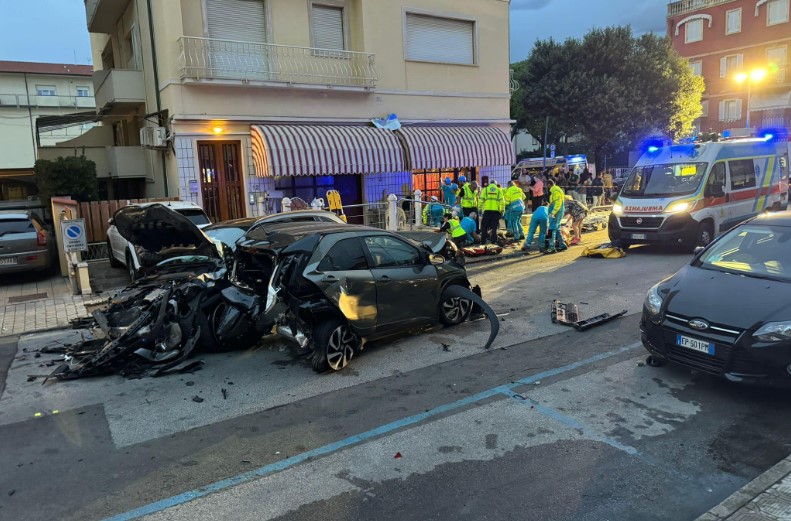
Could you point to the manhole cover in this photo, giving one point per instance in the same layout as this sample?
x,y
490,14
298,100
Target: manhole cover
x,y
26,298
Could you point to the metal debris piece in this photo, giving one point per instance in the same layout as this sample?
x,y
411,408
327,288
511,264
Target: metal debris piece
x,y
224,392
197,399
568,315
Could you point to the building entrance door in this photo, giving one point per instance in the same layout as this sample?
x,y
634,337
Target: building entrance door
x,y
221,180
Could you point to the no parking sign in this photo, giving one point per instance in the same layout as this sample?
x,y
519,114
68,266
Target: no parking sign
x,y
73,233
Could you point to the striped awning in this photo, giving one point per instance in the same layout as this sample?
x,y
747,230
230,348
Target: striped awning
x,y
456,147
296,150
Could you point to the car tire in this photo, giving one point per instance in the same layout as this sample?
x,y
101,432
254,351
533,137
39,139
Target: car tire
x,y
334,345
704,235
454,310
134,274
113,261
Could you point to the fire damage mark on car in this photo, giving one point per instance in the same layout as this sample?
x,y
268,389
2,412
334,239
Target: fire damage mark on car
x,y
327,288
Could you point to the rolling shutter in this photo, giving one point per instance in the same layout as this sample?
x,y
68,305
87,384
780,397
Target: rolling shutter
x,y
442,40
327,27
240,20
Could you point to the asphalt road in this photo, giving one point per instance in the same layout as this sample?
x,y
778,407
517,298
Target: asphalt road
x,y
548,424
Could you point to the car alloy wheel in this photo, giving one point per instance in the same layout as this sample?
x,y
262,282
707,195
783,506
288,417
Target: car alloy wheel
x,y
340,347
455,311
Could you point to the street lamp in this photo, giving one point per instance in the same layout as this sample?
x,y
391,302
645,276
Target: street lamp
x,y
754,76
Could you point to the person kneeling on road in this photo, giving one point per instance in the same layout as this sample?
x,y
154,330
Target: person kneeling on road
x,y
540,220
458,234
432,213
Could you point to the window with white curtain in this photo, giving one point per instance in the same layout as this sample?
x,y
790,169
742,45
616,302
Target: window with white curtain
x,y
440,40
731,64
327,27
697,67
778,57
693,31
776,12
705,106
733,21
730,110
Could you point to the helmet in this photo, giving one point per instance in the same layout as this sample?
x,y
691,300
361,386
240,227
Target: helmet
x,y
454,187
434,198
447,180
462,179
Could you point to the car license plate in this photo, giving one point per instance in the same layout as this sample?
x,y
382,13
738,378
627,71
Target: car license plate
x,y
639,236
7,261
695,344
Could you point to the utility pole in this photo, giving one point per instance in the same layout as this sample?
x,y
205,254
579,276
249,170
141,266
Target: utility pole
x,y
546,138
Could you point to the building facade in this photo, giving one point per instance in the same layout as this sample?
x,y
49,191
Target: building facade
x,y
29,91
261,99
726,38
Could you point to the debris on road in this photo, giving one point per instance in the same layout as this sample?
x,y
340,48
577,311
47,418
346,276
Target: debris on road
x,y
604,251
224,392
568,315
197,399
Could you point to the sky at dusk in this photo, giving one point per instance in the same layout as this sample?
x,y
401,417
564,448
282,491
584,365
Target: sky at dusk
x,y
55,31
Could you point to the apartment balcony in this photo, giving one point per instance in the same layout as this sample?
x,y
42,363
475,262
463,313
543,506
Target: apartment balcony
x,y
102,14
206,59
118,88
64,102
686,6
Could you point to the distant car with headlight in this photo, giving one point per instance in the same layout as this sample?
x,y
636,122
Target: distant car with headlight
x,y
728,313
686,195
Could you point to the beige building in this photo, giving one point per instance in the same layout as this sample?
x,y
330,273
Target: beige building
x,y
260,99
29,91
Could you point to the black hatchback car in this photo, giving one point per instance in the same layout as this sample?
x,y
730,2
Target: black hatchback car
x,y
728,312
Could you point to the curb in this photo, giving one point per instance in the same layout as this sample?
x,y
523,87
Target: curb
x,y
747,493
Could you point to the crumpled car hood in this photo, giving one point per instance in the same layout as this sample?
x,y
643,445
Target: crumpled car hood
x,y
157,228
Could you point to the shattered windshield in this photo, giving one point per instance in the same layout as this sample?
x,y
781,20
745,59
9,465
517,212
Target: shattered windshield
x,y
664,180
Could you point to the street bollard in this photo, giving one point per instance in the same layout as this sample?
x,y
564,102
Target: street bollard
x,y
418,204
286,204
392,213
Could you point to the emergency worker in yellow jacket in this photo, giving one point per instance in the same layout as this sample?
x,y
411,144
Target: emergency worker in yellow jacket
x,y
557,201
492,203
514,208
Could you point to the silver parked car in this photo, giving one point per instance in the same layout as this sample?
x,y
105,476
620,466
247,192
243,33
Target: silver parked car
x,y
25,242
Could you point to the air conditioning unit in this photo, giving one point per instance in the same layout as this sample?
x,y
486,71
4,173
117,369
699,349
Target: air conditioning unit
x,y
153,137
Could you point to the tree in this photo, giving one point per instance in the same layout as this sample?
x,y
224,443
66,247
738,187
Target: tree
x,y
608,90
73,176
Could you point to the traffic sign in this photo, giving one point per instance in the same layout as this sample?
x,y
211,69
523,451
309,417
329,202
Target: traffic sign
x,y
552,150
73,234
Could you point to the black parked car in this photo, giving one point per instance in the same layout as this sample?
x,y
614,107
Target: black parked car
x,y
728,312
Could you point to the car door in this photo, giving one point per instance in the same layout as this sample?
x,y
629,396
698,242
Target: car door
x,y
407,288
345,278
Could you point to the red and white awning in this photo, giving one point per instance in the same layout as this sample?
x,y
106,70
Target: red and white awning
x,y
456,147
296,150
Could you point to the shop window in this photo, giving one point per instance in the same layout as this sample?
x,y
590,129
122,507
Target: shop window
x,y
306,187
742,174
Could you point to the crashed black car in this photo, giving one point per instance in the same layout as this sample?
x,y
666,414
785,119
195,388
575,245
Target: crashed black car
x,y
331,288
728,313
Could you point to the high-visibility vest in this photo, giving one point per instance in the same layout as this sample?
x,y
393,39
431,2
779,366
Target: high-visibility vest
x,y
469,199
455,229
493,199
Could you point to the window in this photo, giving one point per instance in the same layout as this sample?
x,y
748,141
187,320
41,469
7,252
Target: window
x,y
346,255
705,106
697,67
305,187
733,21
440,40
388,252
46,90
327,27
693,31
717,176
778,56
730,64
83,92
777,12
742,174
730,110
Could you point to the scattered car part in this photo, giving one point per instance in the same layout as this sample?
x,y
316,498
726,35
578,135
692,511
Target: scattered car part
x,y
569,315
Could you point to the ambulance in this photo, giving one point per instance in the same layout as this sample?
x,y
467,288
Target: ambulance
x,y
687,194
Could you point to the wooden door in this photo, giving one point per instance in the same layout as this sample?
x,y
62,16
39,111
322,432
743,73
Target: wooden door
x,y
221,179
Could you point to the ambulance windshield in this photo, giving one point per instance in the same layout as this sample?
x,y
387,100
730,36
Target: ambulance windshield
x,y
664,180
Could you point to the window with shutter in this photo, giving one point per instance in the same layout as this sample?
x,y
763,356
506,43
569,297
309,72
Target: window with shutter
x,y
705,107
697,67
777,58
733,21
327,27
440,40
777,12
238,20
693,31
730,64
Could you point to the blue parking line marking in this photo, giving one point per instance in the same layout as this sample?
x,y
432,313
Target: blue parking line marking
x,y
324,450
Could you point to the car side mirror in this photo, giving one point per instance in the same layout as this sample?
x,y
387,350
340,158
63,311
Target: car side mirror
x,y
697,250
436,259
110,221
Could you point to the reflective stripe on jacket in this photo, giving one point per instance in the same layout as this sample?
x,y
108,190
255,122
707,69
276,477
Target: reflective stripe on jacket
x,y
492,199
469,197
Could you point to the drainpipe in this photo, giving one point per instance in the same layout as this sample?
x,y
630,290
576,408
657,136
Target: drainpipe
x,y
30,117
156,91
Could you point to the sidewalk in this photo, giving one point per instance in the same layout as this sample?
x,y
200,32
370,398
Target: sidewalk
x,y
766,498
44,314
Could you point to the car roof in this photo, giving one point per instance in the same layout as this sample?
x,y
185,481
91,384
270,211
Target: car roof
x,y
15,214
244,222
176,205
279,235
282,215
774,218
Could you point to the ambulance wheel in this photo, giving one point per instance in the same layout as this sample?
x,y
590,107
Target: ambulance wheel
x,y
705,234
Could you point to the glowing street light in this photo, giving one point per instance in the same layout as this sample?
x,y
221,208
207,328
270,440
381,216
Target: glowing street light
x,y
754,76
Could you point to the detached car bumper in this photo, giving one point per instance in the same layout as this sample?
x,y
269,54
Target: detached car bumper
x,y
738,357
672,229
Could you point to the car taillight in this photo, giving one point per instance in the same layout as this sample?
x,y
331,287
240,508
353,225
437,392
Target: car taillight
x,y
41,237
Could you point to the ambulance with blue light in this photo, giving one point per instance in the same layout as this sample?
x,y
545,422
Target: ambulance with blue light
x,y
687,194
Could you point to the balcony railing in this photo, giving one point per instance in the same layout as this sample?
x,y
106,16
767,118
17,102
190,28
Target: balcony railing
x,y
35,101
208,58
685,6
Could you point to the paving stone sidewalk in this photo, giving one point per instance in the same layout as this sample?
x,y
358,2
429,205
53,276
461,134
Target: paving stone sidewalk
x,y
766,498
45,314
